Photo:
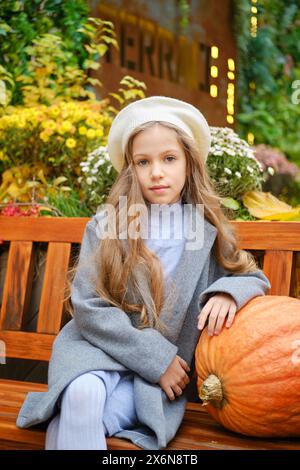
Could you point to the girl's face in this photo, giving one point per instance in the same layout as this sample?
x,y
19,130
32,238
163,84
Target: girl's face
x,y
160,164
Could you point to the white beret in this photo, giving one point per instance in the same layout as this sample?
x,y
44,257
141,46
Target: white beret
x,y
156,108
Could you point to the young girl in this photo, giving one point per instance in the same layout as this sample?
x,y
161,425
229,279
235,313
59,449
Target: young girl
x,y
141,296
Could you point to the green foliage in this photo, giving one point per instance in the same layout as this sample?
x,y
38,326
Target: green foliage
x,y
235,210
184,8
6,87
50,119
53,71
268,65
23,22
70,205
135,90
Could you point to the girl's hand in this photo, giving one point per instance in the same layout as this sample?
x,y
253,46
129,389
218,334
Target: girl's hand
x,y
175,378
217,308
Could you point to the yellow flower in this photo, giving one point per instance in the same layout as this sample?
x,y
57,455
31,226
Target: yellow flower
x,y
66,126
22,124
70,105
91,134
54,111
99,132
65,113
49,124
71,143
44,136
82,130
91,122
3,157
76,116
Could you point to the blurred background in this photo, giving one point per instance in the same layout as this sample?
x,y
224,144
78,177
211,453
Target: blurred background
x,y
67,67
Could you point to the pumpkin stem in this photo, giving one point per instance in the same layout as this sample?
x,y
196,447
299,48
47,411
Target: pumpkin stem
x,y
211,391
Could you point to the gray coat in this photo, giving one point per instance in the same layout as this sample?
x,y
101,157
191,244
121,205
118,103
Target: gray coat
x,y
103,337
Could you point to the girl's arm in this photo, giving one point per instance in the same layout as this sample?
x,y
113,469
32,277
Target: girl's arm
x,y
145,351
242,287
226,294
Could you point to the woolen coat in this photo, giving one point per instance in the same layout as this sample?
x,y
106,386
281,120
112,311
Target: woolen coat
x,y
103,337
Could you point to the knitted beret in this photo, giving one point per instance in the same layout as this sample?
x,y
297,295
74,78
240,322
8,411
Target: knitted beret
x,y
156,108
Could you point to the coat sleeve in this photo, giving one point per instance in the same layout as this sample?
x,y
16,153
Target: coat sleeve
x,y
146,352
242,287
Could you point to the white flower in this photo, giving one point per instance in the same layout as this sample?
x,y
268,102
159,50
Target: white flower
x,y
89,180
271,170
238,174
250,169
250,154
228,171
260,165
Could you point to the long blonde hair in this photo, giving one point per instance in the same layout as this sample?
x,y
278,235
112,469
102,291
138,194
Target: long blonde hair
x,y
116,262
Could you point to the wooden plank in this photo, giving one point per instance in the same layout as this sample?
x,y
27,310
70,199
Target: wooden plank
x,y
198,430
43,229
277,267
22,437
256,235
27,345
263,235
51,306
17,386
10,445
17,287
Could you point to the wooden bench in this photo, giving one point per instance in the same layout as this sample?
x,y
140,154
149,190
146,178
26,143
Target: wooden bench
x,y
277,248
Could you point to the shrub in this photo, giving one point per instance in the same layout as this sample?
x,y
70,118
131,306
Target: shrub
x,y
232,164
59,136
97,177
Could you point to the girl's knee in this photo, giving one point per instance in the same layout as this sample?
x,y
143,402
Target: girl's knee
x,y
83,391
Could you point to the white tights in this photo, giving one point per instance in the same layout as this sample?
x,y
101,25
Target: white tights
x,y
79,425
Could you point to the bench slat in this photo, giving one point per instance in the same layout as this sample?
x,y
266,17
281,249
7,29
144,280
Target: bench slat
x,y
18,284
43,229
254,235
278,268
51,306
198,430
25,345
265,235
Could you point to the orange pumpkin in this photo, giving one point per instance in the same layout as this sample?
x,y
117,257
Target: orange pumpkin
x,y
249,375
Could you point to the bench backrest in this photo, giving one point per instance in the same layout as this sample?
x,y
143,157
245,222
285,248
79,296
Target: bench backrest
x,y
278,242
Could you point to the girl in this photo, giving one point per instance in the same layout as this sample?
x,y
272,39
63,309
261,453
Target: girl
x,y
121,366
